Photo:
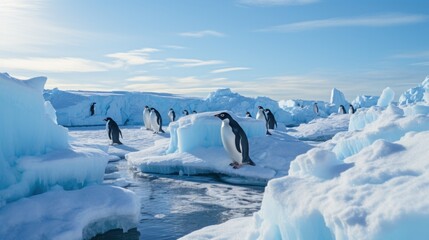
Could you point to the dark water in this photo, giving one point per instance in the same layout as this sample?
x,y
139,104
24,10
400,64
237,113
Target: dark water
x,y
173,206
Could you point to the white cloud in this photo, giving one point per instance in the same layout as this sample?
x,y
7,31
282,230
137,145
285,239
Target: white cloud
x,y
424,54
368,21
143,79
63,64
277,2
200,34
175,47
135,57
24,27
186,62
222,70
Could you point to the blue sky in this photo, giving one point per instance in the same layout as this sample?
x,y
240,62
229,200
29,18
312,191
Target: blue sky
x,y
281,49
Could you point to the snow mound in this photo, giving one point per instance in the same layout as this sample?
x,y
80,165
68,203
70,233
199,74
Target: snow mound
x,y
337,98
365,101
203,130
416,94
321,129
79,214
386,97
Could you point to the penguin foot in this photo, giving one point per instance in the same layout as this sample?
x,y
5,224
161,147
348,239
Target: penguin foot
x,y
268,133
237,166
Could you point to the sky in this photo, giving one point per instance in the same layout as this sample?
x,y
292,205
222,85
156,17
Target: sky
x,y
282,49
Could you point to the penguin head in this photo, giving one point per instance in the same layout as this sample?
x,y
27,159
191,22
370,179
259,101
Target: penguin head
x,y
185,112
108,119
152,109
146,106
260,108
267,110
247,113
171,109
223,116
194,111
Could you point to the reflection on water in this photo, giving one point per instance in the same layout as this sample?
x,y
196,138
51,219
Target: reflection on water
x,y
173,206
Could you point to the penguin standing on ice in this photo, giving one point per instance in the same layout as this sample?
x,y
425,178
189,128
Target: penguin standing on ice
x,y
351,109
316,109
234,141
185,112
146,118
341,109
113,130
260,115
248,115
172,115
271,120
156,121
92,108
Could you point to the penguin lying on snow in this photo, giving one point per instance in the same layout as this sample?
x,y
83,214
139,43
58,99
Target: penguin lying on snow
x,y
234,141
113,130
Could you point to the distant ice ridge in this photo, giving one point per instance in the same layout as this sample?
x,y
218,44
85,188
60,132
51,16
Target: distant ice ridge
x,y
195,147
416,94
72,107
367,183
35,159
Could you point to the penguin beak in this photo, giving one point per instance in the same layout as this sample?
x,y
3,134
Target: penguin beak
x,y
216,115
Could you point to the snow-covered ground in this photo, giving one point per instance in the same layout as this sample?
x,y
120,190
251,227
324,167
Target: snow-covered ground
x,y
368,182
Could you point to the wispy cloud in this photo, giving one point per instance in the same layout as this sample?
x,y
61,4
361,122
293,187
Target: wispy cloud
x,y
424,54
204,33
143,79
175,47
367,21
63,64
277,2
24,27
135,57
231,69
186,62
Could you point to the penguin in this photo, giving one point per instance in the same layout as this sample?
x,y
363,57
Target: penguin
x,y
248,115
156,121
172,115
271,120
351,109
113,130
185,112
234,141
146,117
341,109
92,108
260,115
194,112
316,109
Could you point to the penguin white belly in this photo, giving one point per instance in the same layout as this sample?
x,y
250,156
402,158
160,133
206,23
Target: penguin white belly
x,y
170,115
228,140
260,116
154,122
146,119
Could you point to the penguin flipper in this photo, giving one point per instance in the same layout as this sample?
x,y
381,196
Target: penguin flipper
x,y
110,133
237,140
